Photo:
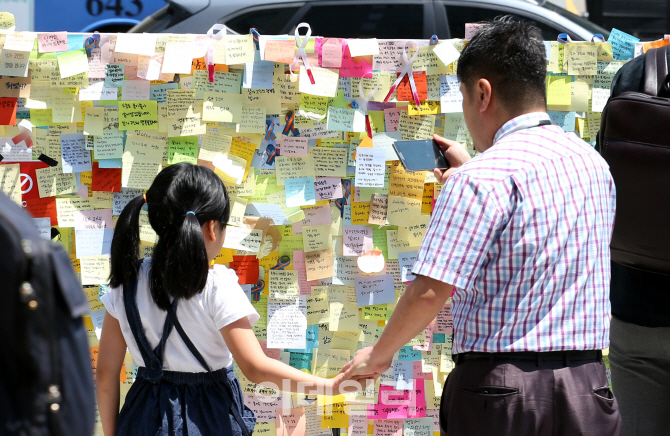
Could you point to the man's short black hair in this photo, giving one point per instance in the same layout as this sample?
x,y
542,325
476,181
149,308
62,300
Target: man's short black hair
x,y
511,56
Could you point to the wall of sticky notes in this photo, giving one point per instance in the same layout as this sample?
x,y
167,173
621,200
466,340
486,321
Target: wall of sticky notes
x,y
325,224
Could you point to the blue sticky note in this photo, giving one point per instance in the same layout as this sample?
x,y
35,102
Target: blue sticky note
x,y
110,163
408,353
564,119
547,49
312,340
75,157
300,192
373,290
403,374
93,242
75,42
159,92
258,74
439,338
623,45
300,360
114,75
406,261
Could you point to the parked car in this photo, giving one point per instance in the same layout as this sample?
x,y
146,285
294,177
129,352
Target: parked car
x,y
386,19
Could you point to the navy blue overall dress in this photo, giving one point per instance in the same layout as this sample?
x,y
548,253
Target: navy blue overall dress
x,y
179,403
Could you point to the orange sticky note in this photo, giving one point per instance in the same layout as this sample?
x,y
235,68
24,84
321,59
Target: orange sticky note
x,y
282,51
360,212
405,90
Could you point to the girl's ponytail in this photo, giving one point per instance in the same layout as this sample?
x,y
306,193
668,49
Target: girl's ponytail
x,y
126,244
187,266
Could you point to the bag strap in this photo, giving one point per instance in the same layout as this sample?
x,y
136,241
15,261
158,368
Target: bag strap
x,y
172,315
655,70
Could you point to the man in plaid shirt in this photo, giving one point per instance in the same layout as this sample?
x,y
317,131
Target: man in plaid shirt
x,y
521,235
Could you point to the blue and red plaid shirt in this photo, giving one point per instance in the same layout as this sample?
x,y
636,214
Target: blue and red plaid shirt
x,y
523,231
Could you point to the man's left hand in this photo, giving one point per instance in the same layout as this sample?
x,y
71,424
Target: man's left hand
x,y
365,366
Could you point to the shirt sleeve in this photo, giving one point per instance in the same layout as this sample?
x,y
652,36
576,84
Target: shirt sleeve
x,y
111,300
465,224
227,301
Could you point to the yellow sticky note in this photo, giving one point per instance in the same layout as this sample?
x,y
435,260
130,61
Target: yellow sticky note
x,y
402,210
427,108
222,107
417,229
94,120
72,62
335,416
283,284
181,103
7,21
559,90
252,120
94,269
343,317
138,115
239,49
325,82
582,58
316,237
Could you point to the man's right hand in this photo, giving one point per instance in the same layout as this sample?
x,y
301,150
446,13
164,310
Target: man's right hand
x,y
455,154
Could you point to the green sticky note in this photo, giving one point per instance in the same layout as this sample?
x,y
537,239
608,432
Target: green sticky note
x,y
183,149
138,115
376,121
41,117
379,241
72,62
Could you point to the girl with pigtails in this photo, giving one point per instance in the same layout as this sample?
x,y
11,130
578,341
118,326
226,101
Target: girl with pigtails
x,y
182,321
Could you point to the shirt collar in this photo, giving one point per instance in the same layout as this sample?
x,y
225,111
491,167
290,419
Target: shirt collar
x,y
521,122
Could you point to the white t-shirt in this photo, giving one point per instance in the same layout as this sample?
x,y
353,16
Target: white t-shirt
x,y
222,302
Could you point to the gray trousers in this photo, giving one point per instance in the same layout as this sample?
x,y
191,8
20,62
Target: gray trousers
x,y
640,364
528,398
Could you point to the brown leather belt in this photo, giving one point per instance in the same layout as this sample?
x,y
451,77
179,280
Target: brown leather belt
x,y
557,356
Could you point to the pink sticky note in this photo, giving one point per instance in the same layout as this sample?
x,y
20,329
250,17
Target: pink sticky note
x,y
471,29
52,42
304,285
356,240
399,404
354,67
444,322
93,219
328,188
292,146
392,118
314,216
331,53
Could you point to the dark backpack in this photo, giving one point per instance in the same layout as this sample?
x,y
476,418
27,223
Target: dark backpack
x,y
46,381
634,139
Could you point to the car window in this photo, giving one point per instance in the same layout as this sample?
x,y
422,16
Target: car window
x,y
361,20
458,16
268,20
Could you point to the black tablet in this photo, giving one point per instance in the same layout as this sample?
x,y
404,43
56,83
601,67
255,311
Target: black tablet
x,y
420,155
